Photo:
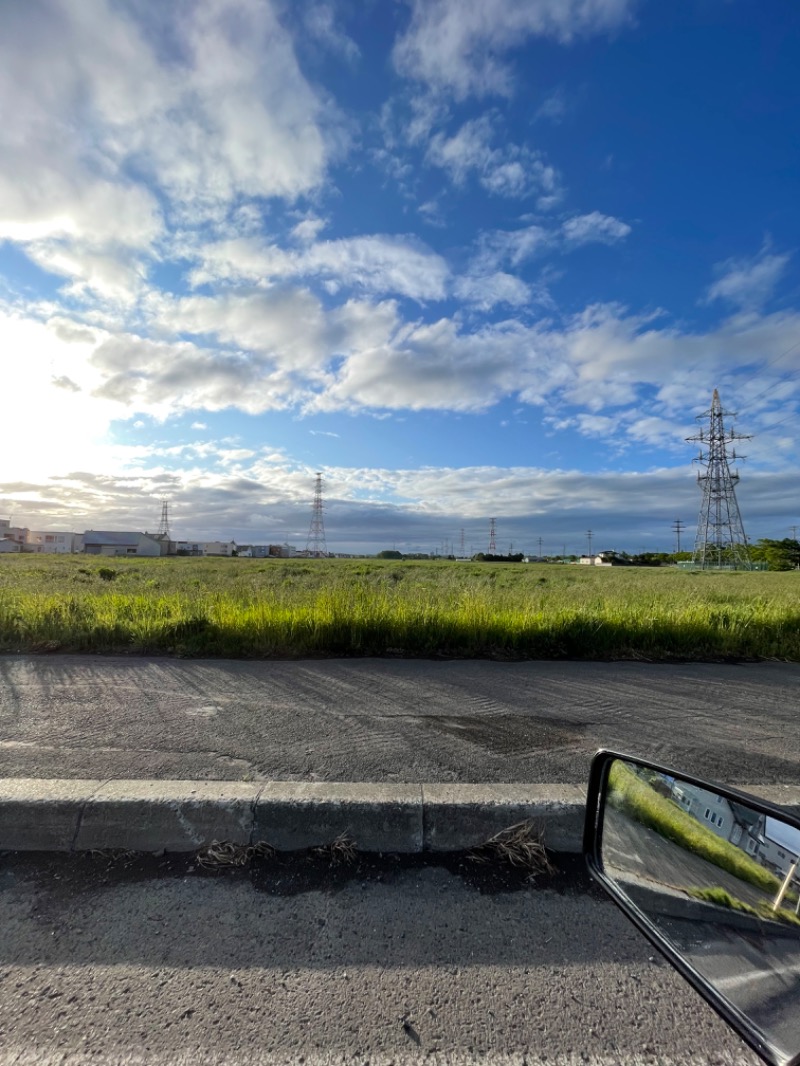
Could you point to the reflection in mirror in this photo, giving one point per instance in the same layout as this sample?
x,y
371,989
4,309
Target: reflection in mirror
x,y
718,879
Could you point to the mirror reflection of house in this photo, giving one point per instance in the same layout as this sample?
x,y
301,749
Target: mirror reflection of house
x,y
779,846
775,845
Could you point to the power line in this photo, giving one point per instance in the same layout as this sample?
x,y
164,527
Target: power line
x,y
761,370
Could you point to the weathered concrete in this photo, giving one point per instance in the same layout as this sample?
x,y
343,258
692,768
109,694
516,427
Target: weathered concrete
x,y
166,815
66,815
304,814
156,816
458,817
41,815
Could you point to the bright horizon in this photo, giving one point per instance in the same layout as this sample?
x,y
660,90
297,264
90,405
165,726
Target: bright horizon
x,y
467,258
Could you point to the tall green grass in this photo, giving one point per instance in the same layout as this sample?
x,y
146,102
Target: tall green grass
x,y
284,608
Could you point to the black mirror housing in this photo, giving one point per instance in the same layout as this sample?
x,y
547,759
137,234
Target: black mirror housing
x,y
710,875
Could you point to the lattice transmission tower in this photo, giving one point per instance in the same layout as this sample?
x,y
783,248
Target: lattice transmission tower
x,y
163,525
721,541
316,547
492,537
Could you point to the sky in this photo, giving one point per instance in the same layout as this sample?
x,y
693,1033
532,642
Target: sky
x,y
468,259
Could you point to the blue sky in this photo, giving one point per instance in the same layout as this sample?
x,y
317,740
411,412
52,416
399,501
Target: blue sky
x,y
468,258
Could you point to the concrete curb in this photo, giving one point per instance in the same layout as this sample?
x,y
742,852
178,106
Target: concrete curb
x,y
70,815
153,816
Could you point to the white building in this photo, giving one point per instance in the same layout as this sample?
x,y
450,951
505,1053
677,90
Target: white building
x,y
205,547
51,542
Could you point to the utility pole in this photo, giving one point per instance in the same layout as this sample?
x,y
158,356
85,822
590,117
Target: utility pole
x,y
720,540
540,547
678,527
589,537
794,532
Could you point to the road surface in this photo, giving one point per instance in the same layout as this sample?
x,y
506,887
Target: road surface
x,y
182,967
391,720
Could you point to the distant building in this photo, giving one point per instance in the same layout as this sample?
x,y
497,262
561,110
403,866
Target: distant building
x,y
7,545
204,547
106,542
708,807
607,558
218,547
51,542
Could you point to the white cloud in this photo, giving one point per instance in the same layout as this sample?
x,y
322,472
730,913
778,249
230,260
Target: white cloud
x,y
206,99
264,498
458,45
748,283
583,229
513,247
118,278
308,229
378,263
320,23
484,292
553,108
512,170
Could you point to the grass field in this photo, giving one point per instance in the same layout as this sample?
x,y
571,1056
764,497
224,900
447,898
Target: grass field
x,y
253,608
262,608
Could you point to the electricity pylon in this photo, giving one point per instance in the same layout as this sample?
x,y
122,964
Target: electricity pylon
x,y
720,540
315,545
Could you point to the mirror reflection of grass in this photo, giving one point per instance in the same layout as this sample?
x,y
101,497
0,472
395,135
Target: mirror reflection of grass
x,y
640,801
764,911
299,607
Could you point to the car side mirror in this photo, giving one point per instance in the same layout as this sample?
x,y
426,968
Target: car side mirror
x,y
711,876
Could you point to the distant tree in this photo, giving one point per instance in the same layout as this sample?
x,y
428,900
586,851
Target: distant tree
x,y
777,554
651,559
485,557
389,555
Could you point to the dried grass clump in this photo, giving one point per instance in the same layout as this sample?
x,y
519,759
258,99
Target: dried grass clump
x,y
224,853
341,852
521,845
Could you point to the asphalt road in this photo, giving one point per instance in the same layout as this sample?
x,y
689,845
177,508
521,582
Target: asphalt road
x,y
417,965
759,974
391,720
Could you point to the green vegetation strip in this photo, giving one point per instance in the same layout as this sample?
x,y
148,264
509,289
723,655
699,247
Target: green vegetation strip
x,y
262,608
722,898
638,800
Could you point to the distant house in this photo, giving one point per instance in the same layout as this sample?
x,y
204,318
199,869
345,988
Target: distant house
x,y
7,545
607,558
735,822
105,542
778,846
708,807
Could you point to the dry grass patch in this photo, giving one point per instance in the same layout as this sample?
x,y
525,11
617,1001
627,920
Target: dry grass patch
x,y
521,846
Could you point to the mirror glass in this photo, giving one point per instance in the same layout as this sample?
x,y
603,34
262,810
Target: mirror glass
x,y
720,881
